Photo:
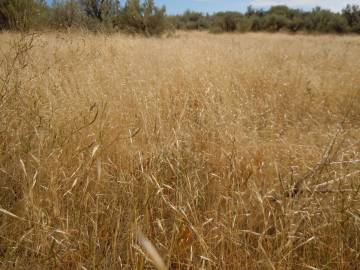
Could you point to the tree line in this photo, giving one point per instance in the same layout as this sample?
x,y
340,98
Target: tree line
x,y
144,17
275,19
134,16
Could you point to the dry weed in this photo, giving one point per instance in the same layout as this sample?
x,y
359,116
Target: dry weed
x,y
229,151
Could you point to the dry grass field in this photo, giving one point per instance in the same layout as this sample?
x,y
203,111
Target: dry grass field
x,y
224,151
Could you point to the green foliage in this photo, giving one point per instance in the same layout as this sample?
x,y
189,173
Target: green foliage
x,y
98,15
21,14
275,22
244,24
226,21
296,24
277,18
65,14
142,18
352,17
100,10
257,24
281,11
190,20
325,21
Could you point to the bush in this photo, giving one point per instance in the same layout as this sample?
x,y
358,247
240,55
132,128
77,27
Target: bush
x,y
216,30
352,17
275,23
21,14
191,20
257,24
226,21
296,24
65,14
325,21
338,24
244,25
143,18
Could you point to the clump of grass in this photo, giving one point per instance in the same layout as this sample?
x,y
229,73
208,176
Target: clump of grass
x,y
227,151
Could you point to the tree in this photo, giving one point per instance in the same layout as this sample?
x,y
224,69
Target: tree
x,y
275,22
325,21
192,20
297,24
65,13
154,18
93,8
257,24
20,14
352,15
142,18
281,10
100,9
229,23
250,11
4,16
226,21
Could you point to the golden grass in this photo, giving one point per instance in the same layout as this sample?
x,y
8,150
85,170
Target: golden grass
x,y
226,151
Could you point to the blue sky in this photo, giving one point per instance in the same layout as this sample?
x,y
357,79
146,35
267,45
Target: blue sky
x,y
210,6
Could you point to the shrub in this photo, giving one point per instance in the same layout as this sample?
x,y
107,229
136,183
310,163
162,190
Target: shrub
x,y
326,22
191,20
257,24
352,17
275,23
21,14
338,24
244,25
296,24
99,14
143,18
65,13
226,21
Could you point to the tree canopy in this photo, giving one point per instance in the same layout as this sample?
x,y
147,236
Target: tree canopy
x,y
144,17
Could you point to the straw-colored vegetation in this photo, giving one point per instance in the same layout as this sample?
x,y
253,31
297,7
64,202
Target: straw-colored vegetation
x,y
220,152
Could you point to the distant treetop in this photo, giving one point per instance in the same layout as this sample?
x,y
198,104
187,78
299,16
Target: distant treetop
x,y
144,17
